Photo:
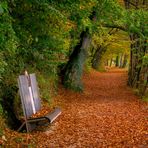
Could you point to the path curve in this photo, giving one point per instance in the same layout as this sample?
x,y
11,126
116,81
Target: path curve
x,y
107,114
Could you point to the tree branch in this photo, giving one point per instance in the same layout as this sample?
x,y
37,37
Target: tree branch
x,y
115,26
133,4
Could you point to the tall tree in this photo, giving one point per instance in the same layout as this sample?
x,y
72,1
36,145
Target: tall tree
x,y
138,38
98,11
74,68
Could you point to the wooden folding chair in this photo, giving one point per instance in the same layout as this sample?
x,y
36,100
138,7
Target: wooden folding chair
x,y
31,104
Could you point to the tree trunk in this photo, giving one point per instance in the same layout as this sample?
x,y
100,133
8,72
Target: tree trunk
x,y
97,57
121,61
125,60
133,61
137,76
74,68
131,67
107,62
111,61
126,2
143,86
117,61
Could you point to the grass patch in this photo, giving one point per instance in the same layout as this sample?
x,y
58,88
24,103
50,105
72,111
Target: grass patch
x,y
145,98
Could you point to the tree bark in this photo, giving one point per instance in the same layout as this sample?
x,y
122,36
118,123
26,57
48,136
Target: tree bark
x,y
125,60
97,57
137,77
117,61
133,60
107,63
121,61
74,68
144,81
111,61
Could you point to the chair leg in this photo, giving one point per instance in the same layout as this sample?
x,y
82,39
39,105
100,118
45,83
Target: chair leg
x,y
21,126
29,126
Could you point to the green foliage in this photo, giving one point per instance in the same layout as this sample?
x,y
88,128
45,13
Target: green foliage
x,y
101,67
116,42
1,110
8,39
8,61
41,31
47,85
88,66
34,35
2,122
39,35
2,66
145,60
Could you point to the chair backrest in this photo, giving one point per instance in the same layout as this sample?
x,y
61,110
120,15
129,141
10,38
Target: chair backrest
x,y
35,92
29,94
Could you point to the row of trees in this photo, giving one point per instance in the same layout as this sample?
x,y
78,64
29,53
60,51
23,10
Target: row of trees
x,y
138,70
114,49
62,37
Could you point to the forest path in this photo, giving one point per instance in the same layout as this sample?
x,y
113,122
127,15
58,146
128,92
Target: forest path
x,y
106,114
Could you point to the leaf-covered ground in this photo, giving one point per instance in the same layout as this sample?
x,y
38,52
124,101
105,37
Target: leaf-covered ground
x,y
106,114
